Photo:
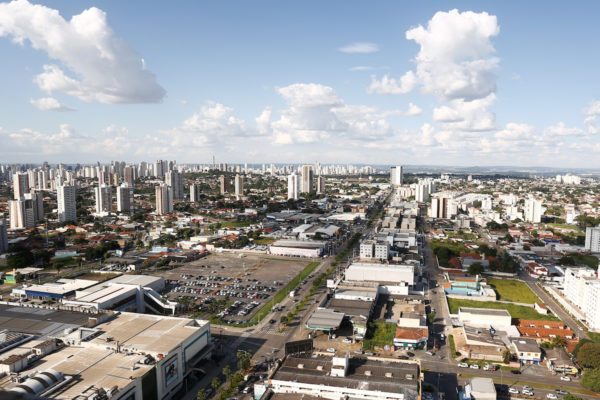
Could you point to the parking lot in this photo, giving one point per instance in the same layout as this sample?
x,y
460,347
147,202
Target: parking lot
x,y
230,287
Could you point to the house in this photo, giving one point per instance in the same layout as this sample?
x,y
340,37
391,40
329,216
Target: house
x,y
527,350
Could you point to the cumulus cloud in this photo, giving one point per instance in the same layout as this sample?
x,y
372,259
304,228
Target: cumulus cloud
x,y
95,65
360,47
560,129
49,104
387,85
263,121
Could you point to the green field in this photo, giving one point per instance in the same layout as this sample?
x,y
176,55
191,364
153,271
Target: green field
x,y
379,333
512,290
515,311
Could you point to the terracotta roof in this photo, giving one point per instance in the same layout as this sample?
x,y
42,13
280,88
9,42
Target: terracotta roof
x,y
541,323
544,332
474,256
411,333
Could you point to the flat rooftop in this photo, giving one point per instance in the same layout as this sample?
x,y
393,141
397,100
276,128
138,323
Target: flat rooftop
x,y
40,321
142,280
325,319
484,311
316,371
61,286
351,307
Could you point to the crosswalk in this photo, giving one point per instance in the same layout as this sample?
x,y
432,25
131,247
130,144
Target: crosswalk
x,y
271,329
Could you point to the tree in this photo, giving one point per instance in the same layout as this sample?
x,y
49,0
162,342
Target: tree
x,y
506,356
475,269
431,318
244,358
216,382
558,341
591,379
589,355
227,372
201,395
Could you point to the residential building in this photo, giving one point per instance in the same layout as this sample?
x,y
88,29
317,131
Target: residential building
x,y
37,204
103,199
239,186
533,210
164,199
320,184
20,185
527,350
224,184
592,239
307,179
129,173
175,180
125,199
67,207
422,193
3,236
194,193
396,177
293,186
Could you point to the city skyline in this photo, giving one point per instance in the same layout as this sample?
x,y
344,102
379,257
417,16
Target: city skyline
x,y
463,84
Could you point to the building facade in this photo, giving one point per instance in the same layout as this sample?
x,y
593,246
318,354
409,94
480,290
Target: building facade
x,y
67,207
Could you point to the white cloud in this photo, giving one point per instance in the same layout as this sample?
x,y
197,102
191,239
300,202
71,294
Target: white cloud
x,y
263,121
515,132
49,104
360,47
389,85
103,68
560,129
413,110
593,108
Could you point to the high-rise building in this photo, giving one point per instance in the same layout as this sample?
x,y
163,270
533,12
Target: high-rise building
x,y
194,193
443,207
422,192
103,199
20,185
67,207
592,239
175,180
125,200
320,184
307,179
21,214
293,186
37,205
239,186
533,210
129,175
396,177
224,183
164,199
3,236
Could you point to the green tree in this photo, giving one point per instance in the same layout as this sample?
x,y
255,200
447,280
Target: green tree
x,y
227,372
216,382
431,318
558,341
201,395
589,355
475,269
506,356
591,379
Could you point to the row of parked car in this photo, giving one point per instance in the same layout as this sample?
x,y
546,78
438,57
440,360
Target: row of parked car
x,y
239,306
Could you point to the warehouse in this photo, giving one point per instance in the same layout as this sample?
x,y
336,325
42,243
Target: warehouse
x,y
297,248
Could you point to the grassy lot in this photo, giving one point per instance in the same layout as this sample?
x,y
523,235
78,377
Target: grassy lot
x,y
512,290
515,311
564,226
594,336
452,346
265,240
379,333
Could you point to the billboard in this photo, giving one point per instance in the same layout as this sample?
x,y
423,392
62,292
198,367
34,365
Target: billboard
x,y
299,346
171,371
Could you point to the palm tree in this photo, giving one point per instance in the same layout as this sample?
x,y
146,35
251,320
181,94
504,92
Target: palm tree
x,y
227,372
201,395
216,382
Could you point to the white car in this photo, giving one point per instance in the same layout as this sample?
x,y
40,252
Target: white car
x,y
565,378
527,392
551,396
331,350
347,340
463,365
513,390
474,366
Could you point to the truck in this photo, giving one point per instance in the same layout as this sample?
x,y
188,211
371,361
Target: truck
x,y
292,293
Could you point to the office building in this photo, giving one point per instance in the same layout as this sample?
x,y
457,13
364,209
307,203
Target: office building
x,y
164,199
224,184
3,236
320,184
125,200
239,186
396,177
175,180
20,185
67,207
37,204
293,186
533,210
307,185
194,193
592,239
21,214
103,195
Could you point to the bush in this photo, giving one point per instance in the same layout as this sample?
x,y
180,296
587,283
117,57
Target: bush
x,y
589,355
591,379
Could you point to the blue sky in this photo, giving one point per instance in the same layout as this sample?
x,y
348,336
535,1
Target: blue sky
x,y
492,83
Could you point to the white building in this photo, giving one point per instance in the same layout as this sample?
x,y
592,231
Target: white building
x,y
20,185
293,186
164,199
67,207
125,199
592,239
582,288
194,193
396,177
175,180
21,214
103,199
484,317
239,186
381,273
533,210
307,179
422,192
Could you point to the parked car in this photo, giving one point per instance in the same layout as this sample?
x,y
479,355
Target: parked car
x,y
513,390
527,392
347,340
561,391
358,351
474,366
515,371
527,387
551,396
331,350
463,365
565,378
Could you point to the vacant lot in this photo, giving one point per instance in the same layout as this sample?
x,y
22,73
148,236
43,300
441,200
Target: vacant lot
x,y
522,312
512,290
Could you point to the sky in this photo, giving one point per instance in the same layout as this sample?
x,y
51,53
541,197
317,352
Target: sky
x,y
423,83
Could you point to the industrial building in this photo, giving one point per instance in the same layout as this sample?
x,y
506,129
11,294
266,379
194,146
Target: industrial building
x,y
297,248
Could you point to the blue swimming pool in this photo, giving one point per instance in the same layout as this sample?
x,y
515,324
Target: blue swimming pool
x,y
462,290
